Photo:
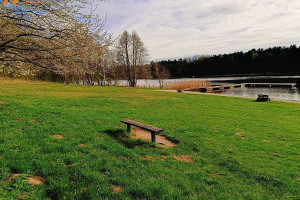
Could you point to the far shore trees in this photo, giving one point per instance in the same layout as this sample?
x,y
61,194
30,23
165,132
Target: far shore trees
x,y
131,55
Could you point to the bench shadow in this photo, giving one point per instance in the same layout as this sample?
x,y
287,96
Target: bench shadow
x,y
124,138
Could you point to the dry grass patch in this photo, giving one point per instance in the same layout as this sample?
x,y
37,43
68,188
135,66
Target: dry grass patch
x,y
33,120
146,135
177,99
71,165
35,180
59,137
11,177
99,138
297,179
188,84
116,189
22,196
183,158
275,154
7,80
149,158
242,136
82,145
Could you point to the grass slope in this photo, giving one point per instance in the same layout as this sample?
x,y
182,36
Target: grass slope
x,y
261,162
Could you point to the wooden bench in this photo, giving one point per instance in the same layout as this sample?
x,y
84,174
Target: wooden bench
x,y
152,129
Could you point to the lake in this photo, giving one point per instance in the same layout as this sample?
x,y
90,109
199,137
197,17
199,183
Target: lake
x,y
273,92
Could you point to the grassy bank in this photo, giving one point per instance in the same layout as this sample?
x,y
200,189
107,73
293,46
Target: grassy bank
x,y
236,148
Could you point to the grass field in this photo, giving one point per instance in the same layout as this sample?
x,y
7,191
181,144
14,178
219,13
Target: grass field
x,y
237,148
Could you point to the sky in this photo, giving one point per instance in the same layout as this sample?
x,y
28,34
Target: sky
x,y
183,28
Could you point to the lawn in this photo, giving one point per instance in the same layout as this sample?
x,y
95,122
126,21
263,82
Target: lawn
x,y
71,138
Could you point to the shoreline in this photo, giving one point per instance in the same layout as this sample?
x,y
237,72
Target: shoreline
x,y
228,95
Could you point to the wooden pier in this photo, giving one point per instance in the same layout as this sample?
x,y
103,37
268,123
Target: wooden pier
x,y
221,88
288,85
212,89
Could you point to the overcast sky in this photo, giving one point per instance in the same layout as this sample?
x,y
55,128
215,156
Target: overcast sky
x,y
180,28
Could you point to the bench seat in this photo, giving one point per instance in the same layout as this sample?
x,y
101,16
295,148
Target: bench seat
x,y
152,129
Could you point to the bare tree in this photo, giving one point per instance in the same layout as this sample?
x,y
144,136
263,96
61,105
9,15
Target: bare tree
x,y
160,72
131,54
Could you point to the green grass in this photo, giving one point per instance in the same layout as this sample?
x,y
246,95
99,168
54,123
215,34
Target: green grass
x,y
263,165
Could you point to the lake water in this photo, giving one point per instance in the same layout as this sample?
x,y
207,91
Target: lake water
x,y
273,92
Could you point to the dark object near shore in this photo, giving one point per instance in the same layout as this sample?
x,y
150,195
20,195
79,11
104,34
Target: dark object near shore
x,y
263,97
179,90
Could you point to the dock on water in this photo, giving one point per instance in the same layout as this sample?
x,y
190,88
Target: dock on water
x,y
220,88
288,85
217,88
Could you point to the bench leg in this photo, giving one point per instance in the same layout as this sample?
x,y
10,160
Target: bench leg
x,y
153,138
128,128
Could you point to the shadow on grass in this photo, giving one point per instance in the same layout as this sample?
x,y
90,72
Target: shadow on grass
x,y
124,138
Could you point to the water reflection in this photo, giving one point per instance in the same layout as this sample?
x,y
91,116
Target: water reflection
x,y
274,93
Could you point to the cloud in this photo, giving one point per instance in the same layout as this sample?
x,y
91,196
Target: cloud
x,y
178,28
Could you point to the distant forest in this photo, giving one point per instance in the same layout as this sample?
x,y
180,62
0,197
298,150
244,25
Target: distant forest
x,y
276,60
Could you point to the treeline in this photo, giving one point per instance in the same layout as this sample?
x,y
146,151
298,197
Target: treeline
x,y
283,60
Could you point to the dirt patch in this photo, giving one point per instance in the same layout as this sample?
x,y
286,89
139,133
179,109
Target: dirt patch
x,y
242,136
217,131
99,138
35,180
275,154
149,158
177,99
183,158
152,158
116,189
33,120
82,145
11,177
60,137
71,165
146,135
22,196
266,141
